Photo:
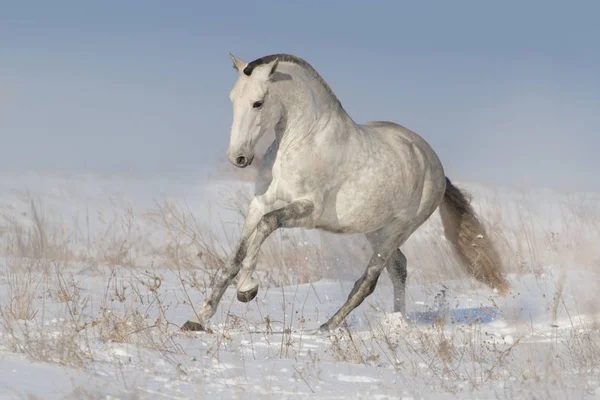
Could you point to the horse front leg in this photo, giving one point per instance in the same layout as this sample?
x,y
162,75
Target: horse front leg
x,y
256,210
299,213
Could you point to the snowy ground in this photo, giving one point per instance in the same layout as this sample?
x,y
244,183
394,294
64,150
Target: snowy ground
x,y
96,274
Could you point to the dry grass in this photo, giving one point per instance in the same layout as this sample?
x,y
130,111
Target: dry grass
x,y
46,315
41,259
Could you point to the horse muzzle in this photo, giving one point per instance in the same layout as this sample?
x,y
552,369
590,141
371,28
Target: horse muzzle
x,y
242,160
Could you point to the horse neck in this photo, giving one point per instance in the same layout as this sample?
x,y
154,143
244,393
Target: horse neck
x,y
308,108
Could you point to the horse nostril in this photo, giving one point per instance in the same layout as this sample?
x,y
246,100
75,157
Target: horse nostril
x,y
241,161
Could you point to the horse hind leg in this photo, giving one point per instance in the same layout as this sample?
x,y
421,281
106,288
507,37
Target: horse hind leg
x,y
384,243
396,268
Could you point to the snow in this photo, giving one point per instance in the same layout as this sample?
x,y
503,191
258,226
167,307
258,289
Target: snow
x,y
101,320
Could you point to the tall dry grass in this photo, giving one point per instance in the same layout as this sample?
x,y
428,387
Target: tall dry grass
x,y
44,312
41,258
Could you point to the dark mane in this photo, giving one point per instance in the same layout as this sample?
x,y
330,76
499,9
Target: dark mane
x,y
290,59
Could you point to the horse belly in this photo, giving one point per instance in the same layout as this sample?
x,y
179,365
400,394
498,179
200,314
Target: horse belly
x,y
362,211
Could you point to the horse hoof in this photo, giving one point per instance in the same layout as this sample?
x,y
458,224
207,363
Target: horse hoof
x,y
191,326
323,329
248,295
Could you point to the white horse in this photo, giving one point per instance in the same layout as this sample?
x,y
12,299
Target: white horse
x,y
330,173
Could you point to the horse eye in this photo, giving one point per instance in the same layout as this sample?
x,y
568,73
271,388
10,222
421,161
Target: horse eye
x,y
258,104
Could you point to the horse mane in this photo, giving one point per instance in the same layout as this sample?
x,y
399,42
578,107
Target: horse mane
x,y
293,60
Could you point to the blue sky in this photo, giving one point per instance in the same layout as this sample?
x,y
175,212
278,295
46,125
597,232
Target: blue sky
x,y
506,92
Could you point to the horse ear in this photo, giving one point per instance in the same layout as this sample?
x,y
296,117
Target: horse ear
x,y
266,71
273,67
238,64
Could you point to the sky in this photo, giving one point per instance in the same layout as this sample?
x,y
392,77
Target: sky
x,y
505,92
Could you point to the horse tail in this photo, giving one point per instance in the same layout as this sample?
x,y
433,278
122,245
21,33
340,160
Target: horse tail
x,y
467,235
